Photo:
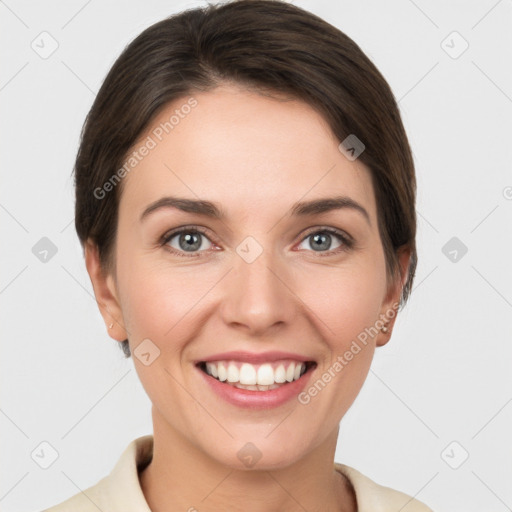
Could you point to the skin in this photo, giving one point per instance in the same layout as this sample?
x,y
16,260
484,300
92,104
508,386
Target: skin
x,y
255,156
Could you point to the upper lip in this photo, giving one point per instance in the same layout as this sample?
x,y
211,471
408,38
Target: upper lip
x,y
254,357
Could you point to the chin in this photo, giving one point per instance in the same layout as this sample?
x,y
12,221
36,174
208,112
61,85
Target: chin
x,y
260,451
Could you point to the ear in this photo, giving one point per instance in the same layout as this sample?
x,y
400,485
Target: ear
x,y
391,302
105,293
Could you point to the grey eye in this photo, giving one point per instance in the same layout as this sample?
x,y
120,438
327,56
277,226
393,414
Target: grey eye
x,y
188,241
321,241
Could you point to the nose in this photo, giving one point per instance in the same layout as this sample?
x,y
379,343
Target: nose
x,y
259,296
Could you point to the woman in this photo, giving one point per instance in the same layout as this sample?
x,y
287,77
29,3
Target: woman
x,y
245,199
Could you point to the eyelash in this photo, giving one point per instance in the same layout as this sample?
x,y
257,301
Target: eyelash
x,y
347,241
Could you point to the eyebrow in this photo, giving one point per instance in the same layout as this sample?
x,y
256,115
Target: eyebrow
x,y
212,210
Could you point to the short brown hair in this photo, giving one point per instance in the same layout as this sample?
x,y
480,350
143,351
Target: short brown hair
x,y
268,45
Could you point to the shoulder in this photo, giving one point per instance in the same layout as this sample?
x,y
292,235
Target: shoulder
x,y
120,491
88,500
373,497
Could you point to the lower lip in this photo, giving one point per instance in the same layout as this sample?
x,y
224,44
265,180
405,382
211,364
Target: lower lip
x,y
257,399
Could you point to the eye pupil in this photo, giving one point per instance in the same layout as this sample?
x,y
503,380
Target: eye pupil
x,y
190,242
322,241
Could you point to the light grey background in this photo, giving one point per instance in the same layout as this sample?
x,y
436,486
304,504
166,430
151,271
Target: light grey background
x,y
446,374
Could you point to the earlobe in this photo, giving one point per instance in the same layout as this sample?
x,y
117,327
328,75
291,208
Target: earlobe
x,y
386,323
105,293
392,302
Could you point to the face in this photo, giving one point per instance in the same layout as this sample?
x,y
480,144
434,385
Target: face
x,y
243,302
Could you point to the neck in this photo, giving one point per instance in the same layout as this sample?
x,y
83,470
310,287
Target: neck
x,y
182,477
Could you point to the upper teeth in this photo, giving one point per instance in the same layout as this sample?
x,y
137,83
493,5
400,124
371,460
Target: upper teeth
x,y
249,374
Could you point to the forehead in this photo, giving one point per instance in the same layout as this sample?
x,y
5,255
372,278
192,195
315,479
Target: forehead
x,y
246,151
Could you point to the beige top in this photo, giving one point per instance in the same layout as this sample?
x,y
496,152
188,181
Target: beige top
x,y
121,492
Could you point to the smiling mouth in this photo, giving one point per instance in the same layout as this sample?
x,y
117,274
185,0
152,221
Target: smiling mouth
x,y
256,377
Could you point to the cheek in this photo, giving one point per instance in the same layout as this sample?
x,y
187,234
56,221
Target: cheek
x,y
347,303
156,298
346,299
160,301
